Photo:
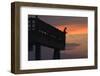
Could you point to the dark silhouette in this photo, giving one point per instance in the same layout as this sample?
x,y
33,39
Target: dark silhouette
x,y
56,54
65,30
38,52
41,33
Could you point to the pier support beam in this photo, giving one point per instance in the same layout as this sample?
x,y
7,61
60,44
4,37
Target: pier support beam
x,y
56,54
37,52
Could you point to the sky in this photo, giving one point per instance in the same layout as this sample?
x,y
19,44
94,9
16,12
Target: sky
x,y
75,25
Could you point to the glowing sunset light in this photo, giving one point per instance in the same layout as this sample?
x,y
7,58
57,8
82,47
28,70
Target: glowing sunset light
x,y
73,29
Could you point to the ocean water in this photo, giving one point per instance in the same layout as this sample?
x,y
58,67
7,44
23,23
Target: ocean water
x,y
76,47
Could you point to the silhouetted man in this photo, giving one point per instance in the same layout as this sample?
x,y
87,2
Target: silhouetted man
x,y
65,30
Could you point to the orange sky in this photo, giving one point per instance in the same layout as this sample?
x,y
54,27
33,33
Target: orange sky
x,y
73,29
